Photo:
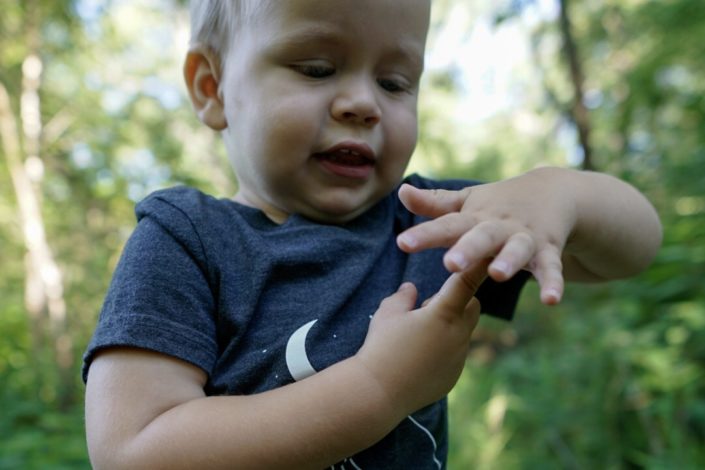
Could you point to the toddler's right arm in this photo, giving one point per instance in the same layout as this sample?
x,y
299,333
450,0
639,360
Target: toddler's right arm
x,y
148,410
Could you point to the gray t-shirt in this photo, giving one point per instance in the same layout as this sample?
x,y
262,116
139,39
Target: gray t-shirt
x,y
258,305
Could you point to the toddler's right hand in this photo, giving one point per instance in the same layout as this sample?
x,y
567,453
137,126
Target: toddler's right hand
x,y
417,355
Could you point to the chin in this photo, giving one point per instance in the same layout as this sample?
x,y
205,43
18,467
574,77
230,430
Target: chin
x,y
334,217
336,213
338,206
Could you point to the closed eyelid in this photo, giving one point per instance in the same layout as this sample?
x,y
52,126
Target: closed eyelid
x,y
403,69
402,76
395,85
313,69
313,62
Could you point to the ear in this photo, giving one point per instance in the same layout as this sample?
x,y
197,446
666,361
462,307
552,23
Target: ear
x,y
202,75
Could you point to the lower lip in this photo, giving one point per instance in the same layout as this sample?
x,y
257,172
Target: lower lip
x,y
347,171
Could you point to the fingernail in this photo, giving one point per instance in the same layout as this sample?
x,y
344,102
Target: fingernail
x,y
502,266
552,295
407,240
405,286
457,259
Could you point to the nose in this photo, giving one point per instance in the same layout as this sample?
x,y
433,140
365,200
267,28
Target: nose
x,y
356,103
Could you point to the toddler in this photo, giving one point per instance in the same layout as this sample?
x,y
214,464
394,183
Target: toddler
x,y
319,318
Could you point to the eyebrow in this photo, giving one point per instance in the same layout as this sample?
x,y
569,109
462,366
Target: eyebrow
x,y
303,36
317,33
408,52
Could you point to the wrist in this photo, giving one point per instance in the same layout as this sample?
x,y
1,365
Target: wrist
x,y
388,400
564,185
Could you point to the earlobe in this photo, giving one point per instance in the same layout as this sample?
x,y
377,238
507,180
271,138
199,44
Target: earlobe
x,y
202,75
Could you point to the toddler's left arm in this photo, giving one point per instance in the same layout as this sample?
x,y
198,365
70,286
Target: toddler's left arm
x,y
554,222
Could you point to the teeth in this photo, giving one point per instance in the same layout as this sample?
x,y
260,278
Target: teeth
x,y
350,152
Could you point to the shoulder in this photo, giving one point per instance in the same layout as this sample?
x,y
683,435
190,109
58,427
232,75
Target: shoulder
x,y
183,207
179,200
187,216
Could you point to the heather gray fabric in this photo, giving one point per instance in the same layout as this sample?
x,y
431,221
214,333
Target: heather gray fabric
x,y
217,284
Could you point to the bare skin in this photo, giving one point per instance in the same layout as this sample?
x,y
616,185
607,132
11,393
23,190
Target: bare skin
x,y
559,224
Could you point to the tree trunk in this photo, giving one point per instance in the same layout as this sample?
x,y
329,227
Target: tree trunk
x,y
579,111
44,292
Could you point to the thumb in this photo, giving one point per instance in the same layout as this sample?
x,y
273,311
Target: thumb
x,y
432,203
460,288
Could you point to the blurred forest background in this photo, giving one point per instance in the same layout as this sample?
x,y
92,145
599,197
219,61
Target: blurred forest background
x,y
93,117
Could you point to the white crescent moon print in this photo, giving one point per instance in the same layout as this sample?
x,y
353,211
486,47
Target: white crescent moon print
x,y
296,357
300,367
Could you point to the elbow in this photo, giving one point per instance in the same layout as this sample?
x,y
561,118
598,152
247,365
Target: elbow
x,y
110,457
652,240
120,461
643,235
109,454
648,245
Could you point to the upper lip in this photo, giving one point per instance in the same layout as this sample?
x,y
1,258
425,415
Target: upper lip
x,y
355,148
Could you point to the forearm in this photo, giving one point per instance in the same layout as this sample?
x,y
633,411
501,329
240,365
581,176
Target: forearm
x,y
309,424
617,231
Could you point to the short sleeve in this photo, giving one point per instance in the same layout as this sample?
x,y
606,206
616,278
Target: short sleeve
x,y
160,298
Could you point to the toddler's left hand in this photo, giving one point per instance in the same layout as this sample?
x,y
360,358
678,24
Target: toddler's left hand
x,y
521,222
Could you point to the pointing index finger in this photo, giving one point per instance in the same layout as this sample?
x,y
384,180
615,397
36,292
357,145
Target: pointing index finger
x,y
460,288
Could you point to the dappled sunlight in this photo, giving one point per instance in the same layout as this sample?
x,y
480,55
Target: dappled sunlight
x,y
94,116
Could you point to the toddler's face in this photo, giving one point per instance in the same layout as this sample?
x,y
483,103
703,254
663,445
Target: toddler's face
x,y
320,102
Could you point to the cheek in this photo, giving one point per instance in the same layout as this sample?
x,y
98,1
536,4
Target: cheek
x,y
291,121
412,135
402,134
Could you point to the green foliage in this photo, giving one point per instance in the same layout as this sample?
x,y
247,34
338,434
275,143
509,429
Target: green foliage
x,y
614,377
34,433
589,384
39,437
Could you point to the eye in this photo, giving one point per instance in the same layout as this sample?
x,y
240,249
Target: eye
x,y
314,70
392,86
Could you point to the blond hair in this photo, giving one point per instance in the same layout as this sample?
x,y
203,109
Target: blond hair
x,y
215,22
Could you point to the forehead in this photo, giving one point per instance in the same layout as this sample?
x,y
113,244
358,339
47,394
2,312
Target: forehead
x,y
366,10
402,23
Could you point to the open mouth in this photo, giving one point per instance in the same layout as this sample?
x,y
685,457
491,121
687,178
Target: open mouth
x,y
348,160
346,156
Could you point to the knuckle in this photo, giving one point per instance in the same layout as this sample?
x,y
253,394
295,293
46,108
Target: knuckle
x,y
474,306
521,246
473,280
524,238
450,227
437,197
486,235
554,242
554,263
